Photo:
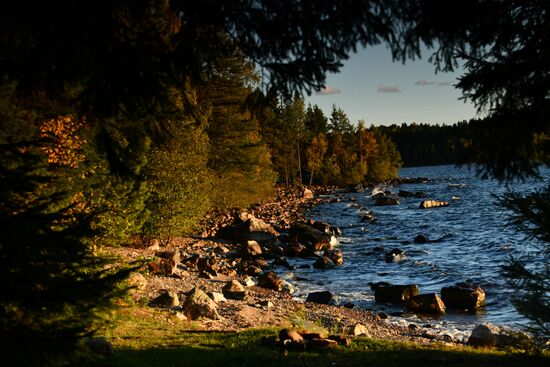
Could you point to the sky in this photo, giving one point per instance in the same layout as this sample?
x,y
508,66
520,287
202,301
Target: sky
x,y
370,86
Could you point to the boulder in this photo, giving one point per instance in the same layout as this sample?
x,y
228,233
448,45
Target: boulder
x,y
271,280
208,265
325,227
162,266
295,249
340,339
394,293
429,303
199,305
324,263
384,200
217,297
421,239
420,195
281,261
335,255
234,290
252,248
312,238
173,255
394,256
489,335
166,299
463,296
307,194
319,344
137,280
261,263
154,245
323,297
427,204
359,330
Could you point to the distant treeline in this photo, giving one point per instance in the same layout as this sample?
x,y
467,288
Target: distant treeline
x,y
427,145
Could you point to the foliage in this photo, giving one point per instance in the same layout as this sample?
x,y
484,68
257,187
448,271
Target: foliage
x,y
57,287
180,182
530,274
238,155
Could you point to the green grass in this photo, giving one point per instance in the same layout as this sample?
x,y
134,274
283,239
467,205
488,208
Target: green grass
x,y
148,337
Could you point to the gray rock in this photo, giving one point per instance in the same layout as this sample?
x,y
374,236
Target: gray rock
x,y
324,263
199,305
234,290
489,335
217,297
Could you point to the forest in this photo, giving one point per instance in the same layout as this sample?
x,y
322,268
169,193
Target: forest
x,y
121,121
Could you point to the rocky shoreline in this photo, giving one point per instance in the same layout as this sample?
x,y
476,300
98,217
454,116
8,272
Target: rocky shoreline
x,y
223,281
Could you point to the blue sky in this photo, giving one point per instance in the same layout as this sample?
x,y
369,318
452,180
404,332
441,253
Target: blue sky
x,y
371,87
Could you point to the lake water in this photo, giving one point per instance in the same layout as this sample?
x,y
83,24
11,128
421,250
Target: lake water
x,y
475,241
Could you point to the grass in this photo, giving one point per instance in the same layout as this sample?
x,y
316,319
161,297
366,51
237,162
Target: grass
x,y
149,337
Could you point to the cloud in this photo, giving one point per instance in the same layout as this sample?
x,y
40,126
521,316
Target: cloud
x,y
388,89
328,90
424,82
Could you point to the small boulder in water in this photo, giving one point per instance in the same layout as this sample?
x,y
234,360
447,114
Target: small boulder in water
x,y
385,292
324,262
429,303
323,297
386,200
395,255
427,204
463,296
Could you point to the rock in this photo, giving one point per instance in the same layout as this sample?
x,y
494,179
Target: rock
x,y
420,195
288,288
266,303
325,227
421,239
319,344
295,249
167,299
324,263
340,339
217,297
198,305
99,346
323,297
250,282
161,266
208,265
311,238
463,296
394,293
180,316
427,204
253,270
395,255
261,263
234,290
173,255
386,200
292,335
359,330
489,335
429,303
154,245
252,248
271,280
137,280
335,255
281,261
307,194
210,276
